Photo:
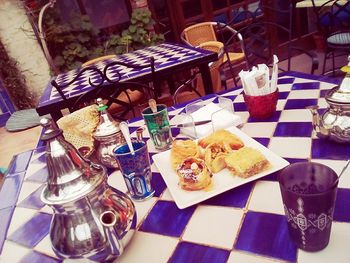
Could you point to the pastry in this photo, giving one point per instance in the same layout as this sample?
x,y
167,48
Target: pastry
x,y
222,136
193,174
215,156
246,162
182,149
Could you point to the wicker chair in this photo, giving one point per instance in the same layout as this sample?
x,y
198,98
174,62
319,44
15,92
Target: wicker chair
x,y
233,48
193,87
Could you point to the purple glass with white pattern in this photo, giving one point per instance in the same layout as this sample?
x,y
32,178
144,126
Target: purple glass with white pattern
x,y
309,192
136,169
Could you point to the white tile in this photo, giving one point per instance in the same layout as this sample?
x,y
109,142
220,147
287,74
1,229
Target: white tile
x,y
157,248
27,189
46,209
237,256
325,85
303,115
33,168
143,208
215,226
234,92
239,98
116,180
280,104
284,87
337,166
322,103
11,252
291,147
243,114
337,249
45,247
301,80
167,196
266,197
259,129
19,218
304,94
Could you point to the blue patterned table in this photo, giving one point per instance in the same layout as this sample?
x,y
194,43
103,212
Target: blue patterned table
x,y
246,224
168,59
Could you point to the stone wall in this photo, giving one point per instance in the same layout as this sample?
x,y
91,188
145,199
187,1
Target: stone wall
x,y
21,44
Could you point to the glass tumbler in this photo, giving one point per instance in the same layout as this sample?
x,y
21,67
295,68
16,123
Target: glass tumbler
x,y
308,193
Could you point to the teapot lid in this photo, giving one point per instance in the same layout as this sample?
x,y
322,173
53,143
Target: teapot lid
x,y
341,94
107,125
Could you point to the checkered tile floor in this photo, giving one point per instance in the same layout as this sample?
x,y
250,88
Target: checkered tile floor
x,y
246,224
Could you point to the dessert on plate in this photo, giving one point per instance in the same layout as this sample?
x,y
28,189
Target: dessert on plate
x,y
182,149
214,156
193,174
246,162
223,137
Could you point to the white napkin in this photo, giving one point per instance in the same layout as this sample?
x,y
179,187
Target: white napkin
x,y
221,119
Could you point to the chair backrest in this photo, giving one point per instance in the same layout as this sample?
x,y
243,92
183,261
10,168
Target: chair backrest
x,y
199,33
261,36
108,85
332,15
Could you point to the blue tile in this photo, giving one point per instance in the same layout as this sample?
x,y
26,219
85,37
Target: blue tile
x,y
10,190
293,129
327,149
36,257
189,252
20,162
324,92
232,97
39,160
283,94
4,118
274,118
5,219
158,184
263,141
33,200
285,81
33,231
39,176
166,219
306,85
175,131
293,104
236,197
240,106
312,77
342,206
271,177
266,234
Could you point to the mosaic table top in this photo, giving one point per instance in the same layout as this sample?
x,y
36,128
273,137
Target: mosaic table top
x,y
165,56
245,224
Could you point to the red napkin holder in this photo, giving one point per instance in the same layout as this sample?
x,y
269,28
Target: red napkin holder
x,y
261,107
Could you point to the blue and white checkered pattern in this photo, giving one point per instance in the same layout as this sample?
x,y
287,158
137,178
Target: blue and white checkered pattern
x,y
245,224
165,55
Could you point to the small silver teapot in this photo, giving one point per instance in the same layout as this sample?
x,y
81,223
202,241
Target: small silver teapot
x,y
91,219
334,123
107,137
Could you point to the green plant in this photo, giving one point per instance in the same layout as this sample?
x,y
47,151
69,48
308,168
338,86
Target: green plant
x,y
76,41
14,81
71,43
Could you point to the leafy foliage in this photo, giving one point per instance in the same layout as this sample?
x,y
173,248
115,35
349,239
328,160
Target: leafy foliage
x,y
14,81
76,41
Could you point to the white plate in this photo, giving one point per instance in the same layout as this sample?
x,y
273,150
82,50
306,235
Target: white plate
x,y
222,181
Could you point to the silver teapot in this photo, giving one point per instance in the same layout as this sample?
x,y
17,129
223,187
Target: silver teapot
x,y
91,219
334,123
107,137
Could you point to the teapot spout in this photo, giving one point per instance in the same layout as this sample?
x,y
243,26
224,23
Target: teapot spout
x,y
315,117
320,130
108,220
